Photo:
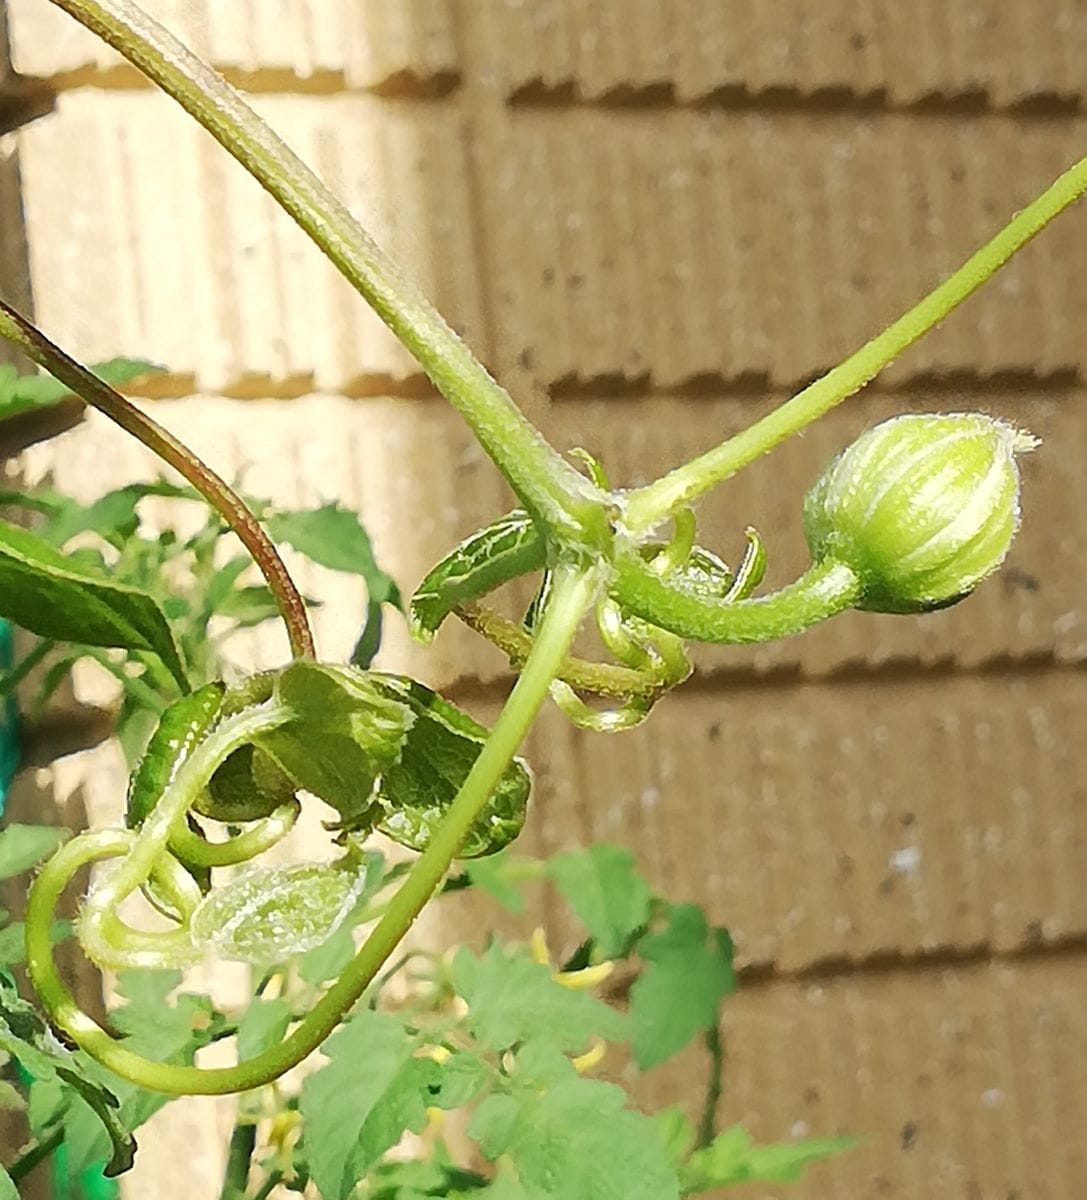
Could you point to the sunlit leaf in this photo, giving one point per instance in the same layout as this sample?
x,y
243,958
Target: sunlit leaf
x,y
46,593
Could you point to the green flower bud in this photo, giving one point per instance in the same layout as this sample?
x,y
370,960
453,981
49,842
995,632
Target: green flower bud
x,y
921,508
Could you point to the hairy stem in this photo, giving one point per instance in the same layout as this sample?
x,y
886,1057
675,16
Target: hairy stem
x,y
824,590
216,491
262,835
647,506
574,591
171,808
556,494
598,678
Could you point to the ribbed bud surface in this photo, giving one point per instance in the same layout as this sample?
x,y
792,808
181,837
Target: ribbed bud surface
x,y
921,507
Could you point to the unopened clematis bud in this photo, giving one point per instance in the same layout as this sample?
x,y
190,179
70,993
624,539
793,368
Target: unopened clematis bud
x,y
920,508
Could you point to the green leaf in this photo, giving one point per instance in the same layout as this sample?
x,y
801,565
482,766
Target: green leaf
x,y
440,749
608,895
13,941
326,961
501,875
733,1157
7,1186
461,1078
513,999
420,1179
26,1037
20,393
576,1139
333,537
680,991
113,516
267,914
348,727
263,1025
510,547
24,846
676,1131
153,1027
356,1108
49,595
248,606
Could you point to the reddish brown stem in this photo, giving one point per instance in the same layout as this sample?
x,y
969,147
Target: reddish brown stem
x,y
215,490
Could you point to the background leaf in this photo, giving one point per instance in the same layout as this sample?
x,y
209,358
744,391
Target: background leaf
x,y
733,1157
608,895
680,991
25,1036
20,393
513,999
46,593
576,1139
151,1026
335,538
360,1105
263,1025
24,846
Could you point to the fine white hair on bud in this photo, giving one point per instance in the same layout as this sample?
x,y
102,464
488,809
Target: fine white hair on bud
x,y
922,508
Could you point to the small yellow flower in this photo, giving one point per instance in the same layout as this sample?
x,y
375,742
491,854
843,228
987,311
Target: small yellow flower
x,y
586,977
591,1058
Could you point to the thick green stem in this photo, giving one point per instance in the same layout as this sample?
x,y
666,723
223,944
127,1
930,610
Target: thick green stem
x,y
567,504
574,591
824,590
647,506
216,491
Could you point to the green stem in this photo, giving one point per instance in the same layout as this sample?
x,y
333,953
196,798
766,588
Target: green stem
x,y
647,506
824,590
215,490
175,802
38,1151
261,836
556,494
707,1126
598,678
574,591
243,1141
24,666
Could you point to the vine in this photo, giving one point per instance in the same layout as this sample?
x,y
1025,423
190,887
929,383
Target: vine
x,y
372,745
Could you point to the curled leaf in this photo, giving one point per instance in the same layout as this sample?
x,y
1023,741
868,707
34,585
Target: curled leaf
x,y
268,914
443,743
703,574
348,728
492,556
